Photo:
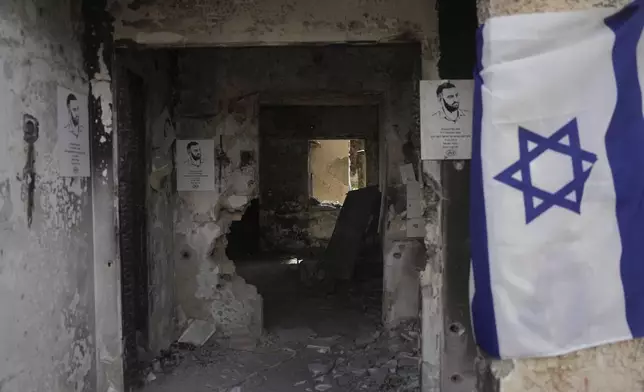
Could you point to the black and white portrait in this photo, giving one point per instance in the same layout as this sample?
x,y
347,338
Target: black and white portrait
x,y
73,135
446,118
450,103
194,154
195,165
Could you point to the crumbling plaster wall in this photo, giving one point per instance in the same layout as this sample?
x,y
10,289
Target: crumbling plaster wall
x,y
610,368
220,91
46,270
283,22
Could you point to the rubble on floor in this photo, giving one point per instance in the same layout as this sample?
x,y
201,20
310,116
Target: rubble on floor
x,y
298,360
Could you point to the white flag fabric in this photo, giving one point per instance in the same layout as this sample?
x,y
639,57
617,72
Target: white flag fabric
x,y
557,191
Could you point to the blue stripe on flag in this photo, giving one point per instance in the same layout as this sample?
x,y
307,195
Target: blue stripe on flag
x,y
625,150
483,317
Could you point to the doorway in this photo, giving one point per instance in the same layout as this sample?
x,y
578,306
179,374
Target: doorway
x,y
244,256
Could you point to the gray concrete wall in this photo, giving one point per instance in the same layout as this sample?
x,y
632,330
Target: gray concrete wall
x,y
46,271
615,367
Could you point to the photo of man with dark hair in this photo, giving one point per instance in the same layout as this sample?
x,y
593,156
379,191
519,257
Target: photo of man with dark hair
x,y
74,125
194,154
449,101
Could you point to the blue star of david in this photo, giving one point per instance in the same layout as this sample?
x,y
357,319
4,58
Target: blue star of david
x,y
537,201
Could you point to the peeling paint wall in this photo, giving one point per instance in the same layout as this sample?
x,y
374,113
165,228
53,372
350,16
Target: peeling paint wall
x,y
610,368
46,271
206,284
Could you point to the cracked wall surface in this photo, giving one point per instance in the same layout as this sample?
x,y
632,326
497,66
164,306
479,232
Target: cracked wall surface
x,y
46,271
609,368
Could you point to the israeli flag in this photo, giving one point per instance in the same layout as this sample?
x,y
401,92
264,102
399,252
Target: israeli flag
x,y
557,208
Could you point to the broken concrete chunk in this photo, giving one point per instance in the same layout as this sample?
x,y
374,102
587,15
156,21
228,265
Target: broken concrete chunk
x,y
198,332
319,369
150,377
320,349
392,365
323,387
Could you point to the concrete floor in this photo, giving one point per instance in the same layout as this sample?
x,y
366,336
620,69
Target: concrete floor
x,y
312,342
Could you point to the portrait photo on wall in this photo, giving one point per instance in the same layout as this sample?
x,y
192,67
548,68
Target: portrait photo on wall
x,y
73,134
446,118
195,163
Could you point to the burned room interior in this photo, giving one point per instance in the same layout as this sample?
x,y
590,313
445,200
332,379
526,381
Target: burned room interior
x,y
292,244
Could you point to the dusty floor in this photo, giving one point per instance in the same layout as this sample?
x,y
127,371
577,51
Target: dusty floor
x,y
312,342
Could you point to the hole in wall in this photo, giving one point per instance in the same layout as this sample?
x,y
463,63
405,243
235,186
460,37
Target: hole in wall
x,y
456,378
456,329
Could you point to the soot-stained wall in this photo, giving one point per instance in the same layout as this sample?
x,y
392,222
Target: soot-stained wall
x,y
46,270
156,68
220,95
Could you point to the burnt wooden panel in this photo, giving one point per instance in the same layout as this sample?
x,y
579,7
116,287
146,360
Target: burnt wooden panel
x,y
132,219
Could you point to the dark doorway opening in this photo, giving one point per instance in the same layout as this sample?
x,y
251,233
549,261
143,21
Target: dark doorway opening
x,y
243,238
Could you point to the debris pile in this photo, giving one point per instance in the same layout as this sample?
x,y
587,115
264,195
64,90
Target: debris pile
x,y
386,361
